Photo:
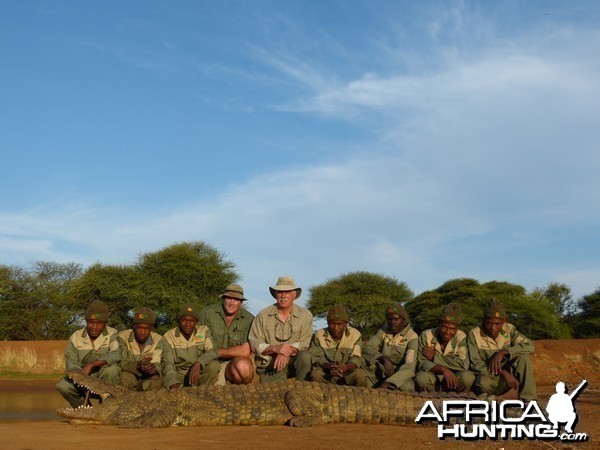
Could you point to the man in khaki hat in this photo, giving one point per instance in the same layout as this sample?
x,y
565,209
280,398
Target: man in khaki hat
x,y
190,356
336,352
500,356
392,352
141,353
93,351
442,357
280,335
230,324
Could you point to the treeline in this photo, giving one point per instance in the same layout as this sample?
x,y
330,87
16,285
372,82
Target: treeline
x,y
46,300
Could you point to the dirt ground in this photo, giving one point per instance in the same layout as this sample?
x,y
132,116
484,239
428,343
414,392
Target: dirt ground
x,y
555,360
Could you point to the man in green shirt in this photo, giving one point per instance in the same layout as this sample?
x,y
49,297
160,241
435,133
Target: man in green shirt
x,y
392,352
336,352
229,324
190,355
93,351
141,353
500,356
442,357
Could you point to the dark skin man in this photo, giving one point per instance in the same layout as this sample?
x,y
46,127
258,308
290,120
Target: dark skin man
x,y
336,330
446,331
141,332
492,327
395,324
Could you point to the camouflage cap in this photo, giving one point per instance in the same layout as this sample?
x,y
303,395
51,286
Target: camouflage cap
x,y
97,311
338,312
396,308
233,291
452,312
144,315
494,309
189,310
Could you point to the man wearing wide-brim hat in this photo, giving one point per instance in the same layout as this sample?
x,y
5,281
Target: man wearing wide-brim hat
x,y
280,335
230,324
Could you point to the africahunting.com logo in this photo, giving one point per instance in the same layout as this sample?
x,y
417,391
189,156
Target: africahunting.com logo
x,y
510,419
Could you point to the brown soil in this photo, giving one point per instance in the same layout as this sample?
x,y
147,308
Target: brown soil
x,y
565,360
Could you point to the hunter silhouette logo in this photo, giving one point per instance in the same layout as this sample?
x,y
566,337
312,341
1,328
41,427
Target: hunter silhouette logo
x,y
560,407
509,419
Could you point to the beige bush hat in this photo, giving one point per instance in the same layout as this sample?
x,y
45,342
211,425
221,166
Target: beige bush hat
x,y
285,284
233,291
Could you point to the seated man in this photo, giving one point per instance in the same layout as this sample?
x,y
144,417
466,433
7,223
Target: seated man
x,y
229,325
392,352
280,336
141,353
93,351
336,352
442,355
190,358
500,356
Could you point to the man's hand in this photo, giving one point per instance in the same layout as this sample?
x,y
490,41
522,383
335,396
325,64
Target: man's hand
x,y
388,366
429,352
87,369
285,350
281,362
495,364
194,373
511,381
386,385
450,378
338,370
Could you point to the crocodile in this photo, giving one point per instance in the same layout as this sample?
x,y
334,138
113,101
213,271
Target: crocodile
x,y
295,403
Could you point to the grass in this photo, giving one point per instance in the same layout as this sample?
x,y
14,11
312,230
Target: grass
x,y
26,363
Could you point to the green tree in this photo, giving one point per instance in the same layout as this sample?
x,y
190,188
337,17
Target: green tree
x,y
586,323
364,294
35,303
163,280
533,314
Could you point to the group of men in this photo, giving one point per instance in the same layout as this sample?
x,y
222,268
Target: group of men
x,y
224,343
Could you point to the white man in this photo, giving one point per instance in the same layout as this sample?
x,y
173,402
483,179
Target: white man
x,y
280,335
229,324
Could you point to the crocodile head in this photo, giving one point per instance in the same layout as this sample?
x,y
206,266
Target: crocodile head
x,y
112,397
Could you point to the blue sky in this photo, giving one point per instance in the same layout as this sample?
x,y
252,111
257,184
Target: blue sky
x,y
421,140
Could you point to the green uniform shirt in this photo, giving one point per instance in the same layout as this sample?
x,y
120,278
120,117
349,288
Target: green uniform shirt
x,y
401,349
268,329
181,353
482,347
81,351
325,349
223,336
454,356
131,353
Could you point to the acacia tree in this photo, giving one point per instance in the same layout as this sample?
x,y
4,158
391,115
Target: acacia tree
x,y
586,322
364,294
184,272
533,314
34,301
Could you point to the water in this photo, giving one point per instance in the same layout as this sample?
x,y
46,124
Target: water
x,y
30,406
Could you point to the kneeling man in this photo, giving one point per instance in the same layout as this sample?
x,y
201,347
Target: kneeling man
x,y
442,356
